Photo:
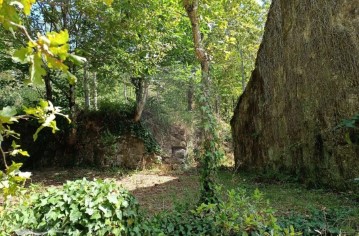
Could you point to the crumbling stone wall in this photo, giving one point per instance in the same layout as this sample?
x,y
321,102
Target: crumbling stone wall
x,y
306,80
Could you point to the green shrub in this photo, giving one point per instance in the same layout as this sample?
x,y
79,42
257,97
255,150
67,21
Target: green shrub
x,y
237,214
101,208
79,208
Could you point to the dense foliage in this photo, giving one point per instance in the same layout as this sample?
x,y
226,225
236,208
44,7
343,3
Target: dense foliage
x,y
101,208
79,208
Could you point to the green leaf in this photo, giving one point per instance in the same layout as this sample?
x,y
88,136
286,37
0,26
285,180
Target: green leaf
x,y
108,2
58,39
44,104
89,211
71,78
112,198
348,139
14,145
19,151
37,70
13,168
35,136
54,63
21,55
77,59
27,6
60,51
75,215
8,111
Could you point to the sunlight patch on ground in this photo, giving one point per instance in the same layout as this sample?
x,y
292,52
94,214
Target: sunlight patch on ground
x,y
144,181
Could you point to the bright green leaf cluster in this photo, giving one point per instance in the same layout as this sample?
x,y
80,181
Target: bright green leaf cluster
x,y
45,113
52,49
12,180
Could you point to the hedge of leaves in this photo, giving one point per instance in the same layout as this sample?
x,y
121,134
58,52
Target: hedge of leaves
x,y
81,207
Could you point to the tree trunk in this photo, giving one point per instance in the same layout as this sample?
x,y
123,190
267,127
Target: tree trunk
x,y
125,92
48,87
218,104
208,161
141,89
72,102
86,89
190,94
94,91
242,70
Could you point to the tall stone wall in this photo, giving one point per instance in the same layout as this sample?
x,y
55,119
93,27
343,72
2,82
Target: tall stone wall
x,y
306,80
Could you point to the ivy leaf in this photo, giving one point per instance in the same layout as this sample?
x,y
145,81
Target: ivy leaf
x,y
112,198
21,55
75,215
37,70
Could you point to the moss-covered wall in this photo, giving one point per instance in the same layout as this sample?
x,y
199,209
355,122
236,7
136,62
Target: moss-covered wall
x,y
305,82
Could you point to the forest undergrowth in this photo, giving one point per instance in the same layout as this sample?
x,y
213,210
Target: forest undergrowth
x,y
164,191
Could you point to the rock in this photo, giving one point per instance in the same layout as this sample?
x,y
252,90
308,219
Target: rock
x,y
306,80
179,152
130,153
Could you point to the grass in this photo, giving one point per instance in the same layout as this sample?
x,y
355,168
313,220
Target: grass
x,y
294,203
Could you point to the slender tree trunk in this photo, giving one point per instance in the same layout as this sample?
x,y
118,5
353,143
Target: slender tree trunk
x,y
242,70
94,91
48,87
208,163
141,88
125,92
190,94
218,104
86,89
72,102
225,106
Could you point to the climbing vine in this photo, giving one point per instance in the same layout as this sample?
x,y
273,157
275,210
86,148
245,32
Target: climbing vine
x,y
210,155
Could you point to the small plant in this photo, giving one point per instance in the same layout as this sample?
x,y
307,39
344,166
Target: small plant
x,y
81,207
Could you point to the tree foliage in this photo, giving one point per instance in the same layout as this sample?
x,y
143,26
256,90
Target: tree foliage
x,y
150,41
